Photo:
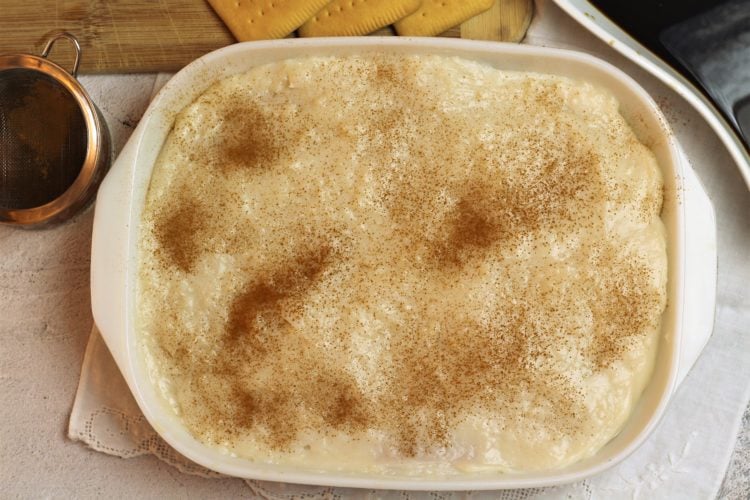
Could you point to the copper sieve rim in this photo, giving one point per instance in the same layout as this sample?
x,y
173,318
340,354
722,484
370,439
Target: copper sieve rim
x,y
97,139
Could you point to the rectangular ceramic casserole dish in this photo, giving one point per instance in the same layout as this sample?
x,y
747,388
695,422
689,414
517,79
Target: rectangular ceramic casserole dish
x,y
123,193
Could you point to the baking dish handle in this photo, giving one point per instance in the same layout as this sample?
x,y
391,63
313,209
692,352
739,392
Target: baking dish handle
x,y
109,254
700,272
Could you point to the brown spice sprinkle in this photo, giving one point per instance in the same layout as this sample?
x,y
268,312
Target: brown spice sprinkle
x,y
395,257
178,231
260,301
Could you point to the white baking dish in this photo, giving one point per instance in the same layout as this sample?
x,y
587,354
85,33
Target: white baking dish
x,y
687,214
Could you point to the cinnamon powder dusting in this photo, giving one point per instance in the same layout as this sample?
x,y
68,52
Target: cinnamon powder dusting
x,y
395,258
178,231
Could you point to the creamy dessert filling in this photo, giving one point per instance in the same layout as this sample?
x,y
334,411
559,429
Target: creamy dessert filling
x,y
402,264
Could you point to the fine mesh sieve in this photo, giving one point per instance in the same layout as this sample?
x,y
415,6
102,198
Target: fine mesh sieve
x,y
54,145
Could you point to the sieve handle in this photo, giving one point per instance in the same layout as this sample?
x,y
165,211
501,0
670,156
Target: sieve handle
x,y
64,34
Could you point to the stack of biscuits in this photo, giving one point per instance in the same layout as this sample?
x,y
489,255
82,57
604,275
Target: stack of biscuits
x,y
267,19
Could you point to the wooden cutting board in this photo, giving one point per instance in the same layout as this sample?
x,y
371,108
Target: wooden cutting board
x,y
131,36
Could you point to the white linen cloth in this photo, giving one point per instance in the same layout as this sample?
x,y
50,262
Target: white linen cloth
x,y
687,455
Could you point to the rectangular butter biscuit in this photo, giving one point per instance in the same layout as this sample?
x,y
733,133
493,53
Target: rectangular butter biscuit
x,y
357,17
265,19
437,16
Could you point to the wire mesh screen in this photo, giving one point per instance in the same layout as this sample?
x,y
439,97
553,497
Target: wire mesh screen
x,y
43,139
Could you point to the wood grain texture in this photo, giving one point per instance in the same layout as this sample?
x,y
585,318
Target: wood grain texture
x,y
116,36
134,36
505,21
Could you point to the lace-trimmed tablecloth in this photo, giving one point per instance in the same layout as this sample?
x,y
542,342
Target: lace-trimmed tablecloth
x,y
686,457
